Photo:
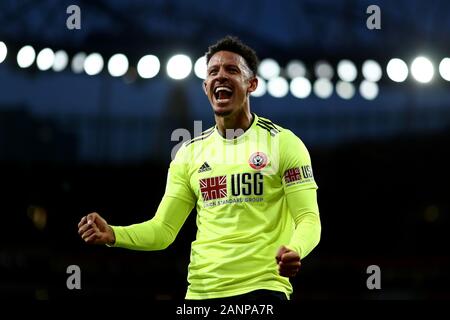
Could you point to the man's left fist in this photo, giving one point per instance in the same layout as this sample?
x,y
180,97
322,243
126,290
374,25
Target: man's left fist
x,y
288,262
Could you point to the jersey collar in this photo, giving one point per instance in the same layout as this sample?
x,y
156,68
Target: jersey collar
x,y
242,136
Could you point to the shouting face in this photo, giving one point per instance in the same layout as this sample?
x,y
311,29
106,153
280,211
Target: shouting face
x,y
228,83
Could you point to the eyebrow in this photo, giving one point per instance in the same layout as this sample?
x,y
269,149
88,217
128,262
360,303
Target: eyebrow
x,y
226,65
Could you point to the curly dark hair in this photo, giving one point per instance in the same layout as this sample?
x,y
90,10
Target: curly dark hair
x,y
233,44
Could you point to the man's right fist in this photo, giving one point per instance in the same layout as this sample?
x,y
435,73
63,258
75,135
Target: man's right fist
x,y
94,229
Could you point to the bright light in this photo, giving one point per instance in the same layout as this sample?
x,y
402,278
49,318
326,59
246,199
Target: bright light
x,y
444,68
397,70
323,88
278,87
45,59
78,62
118,65
93,64
347,70
268,69
371,70
179,66
61,60
26,56
300,87
295,68
422,69
345,90
368,90
200,67
3,51
148,66
323,69
261,88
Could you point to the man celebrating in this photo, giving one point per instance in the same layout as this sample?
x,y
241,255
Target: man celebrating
x,y
252,184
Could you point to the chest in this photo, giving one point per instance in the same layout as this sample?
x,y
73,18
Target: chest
x,y
234,173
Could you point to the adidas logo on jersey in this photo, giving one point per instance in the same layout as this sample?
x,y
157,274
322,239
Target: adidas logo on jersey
x,y
205,167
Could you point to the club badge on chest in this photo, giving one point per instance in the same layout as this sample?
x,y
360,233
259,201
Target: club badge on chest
x,y
258,160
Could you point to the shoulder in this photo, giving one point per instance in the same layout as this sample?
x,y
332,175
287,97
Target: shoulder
x,y
185,151
200,138
269,126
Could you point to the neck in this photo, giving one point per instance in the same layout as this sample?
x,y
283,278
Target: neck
x,y
234,125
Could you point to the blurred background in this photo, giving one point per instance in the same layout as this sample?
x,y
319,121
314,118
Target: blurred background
x,y
86,117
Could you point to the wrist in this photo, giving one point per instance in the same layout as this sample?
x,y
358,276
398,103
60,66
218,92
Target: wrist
x,y
112,236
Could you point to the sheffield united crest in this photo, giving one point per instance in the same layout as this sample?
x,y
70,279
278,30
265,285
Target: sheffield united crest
x,y
258,160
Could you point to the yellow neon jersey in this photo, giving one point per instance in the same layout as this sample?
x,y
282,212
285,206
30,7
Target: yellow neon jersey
x,y
250,194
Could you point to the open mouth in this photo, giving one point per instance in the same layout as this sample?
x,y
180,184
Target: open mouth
x,y
223,93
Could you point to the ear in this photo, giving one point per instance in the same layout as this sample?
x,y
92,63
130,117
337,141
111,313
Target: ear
x,y
253,84
204,87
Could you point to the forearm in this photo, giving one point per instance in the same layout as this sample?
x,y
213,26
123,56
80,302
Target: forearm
x,y
149,235
157,233
305,212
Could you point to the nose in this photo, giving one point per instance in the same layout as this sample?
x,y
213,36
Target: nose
x,y
221,74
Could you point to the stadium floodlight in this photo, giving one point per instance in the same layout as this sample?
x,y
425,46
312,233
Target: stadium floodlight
x,y
148,66
26,56
269,68
278,87
347,70
295,68
371,70
179,66
323,69
345,90
444,69
261,89
422,69
300,87
93,64
397,70
45,58
200,67
323,88
118,65
78,62
3,51
61,61
368,90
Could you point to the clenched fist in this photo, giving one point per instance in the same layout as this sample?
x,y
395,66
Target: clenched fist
x,y
94,229
288,262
